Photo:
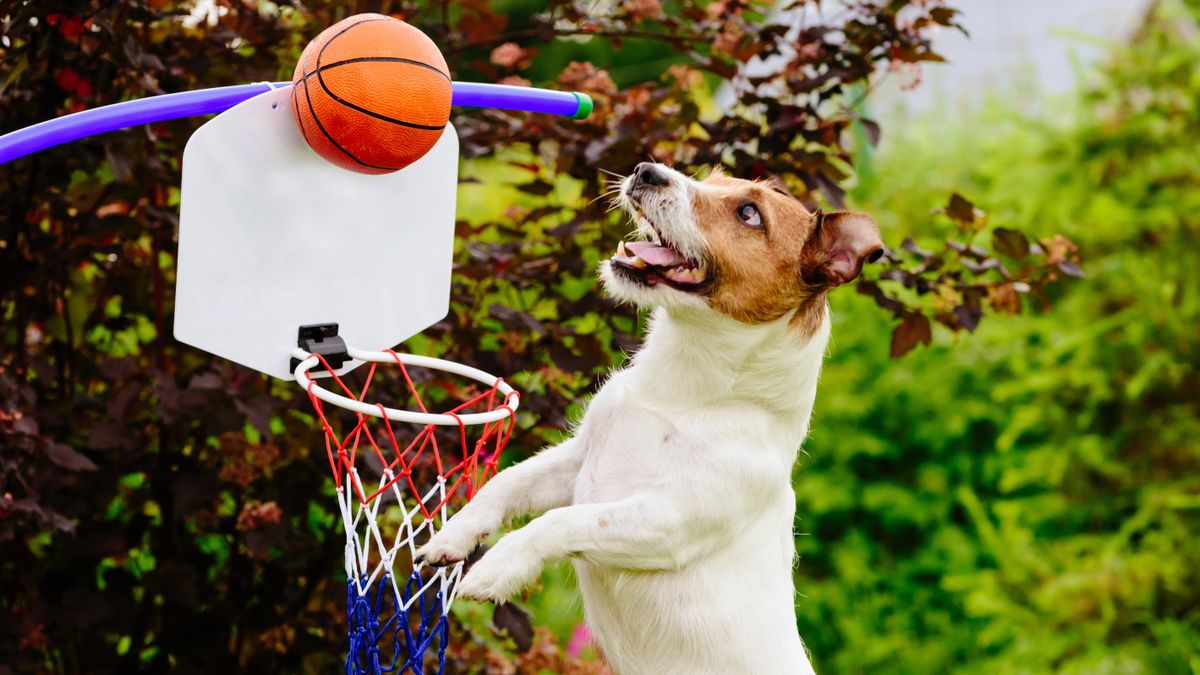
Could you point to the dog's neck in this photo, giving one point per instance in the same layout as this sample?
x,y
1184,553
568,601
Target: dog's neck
x,y
695,357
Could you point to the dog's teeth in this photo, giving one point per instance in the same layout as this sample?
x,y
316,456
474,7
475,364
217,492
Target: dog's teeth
x,y
685,274
628,258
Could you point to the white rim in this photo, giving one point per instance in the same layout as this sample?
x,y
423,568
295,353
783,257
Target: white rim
x,y
308,362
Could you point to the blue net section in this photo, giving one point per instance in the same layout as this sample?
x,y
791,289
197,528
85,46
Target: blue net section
x,y
391,629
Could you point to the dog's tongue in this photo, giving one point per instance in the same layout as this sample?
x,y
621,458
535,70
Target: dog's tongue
x,y
659,256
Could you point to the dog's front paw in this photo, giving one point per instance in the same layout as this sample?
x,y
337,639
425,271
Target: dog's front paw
x,y
454,542
505,569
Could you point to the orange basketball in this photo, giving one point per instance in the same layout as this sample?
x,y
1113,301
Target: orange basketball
x,y
371,94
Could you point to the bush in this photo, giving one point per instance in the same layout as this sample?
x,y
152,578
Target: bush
x,y
1019,501
1026,500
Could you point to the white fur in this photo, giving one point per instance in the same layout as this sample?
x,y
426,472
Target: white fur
x,y
673,498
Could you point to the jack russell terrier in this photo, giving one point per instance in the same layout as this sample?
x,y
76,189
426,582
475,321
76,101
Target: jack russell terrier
x,y
673,498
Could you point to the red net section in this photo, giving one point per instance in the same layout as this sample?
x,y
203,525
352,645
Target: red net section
x,y
397,606
465,465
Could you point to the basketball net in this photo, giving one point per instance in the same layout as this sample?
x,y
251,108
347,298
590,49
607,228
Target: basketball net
x,y
393,495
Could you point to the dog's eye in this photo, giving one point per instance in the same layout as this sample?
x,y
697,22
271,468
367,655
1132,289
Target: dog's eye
x,y
748,214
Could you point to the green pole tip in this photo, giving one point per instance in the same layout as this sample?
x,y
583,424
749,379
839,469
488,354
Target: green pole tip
x,y
585,106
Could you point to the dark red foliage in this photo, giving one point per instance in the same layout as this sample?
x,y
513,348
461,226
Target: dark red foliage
x,y
162,509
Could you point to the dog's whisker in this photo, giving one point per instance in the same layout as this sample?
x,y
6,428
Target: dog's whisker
x,y
603,195
612,193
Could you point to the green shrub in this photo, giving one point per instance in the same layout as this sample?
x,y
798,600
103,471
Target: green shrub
x,y
1028,500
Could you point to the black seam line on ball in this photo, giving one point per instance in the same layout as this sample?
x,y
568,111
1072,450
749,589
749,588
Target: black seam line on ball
x,y
348,104
377,59
296,111
331,139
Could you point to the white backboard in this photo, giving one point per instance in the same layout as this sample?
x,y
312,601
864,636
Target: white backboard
x,y
272,237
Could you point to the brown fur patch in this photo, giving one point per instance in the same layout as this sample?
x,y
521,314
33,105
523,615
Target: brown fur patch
x,y
756,271
810,315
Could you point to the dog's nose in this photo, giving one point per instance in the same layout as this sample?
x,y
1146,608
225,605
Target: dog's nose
x,y
649,174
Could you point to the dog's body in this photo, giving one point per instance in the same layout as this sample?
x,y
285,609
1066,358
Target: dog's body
x,y
673,497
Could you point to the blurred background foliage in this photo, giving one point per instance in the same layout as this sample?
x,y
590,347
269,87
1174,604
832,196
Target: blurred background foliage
x,y
1021,499
1027,499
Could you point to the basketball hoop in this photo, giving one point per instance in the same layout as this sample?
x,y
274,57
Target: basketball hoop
x,y
418,480
310,361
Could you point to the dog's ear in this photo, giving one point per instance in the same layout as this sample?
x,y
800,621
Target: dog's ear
x,y
839,245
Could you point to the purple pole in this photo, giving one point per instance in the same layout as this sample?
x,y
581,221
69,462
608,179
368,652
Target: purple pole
x,y
210,101
477,95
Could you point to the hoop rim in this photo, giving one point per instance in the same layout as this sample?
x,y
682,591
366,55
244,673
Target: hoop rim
x,y
512,396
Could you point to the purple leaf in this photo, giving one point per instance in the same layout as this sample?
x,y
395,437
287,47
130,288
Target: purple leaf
x,y
989,264
517,318
960,209
26,425
1010,242
872,130
68,458
832,191
866,287
513,620
912,331
1070,269
121,403
208,380
911,246
968,317
258,412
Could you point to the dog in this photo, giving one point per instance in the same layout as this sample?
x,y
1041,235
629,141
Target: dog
x,y
673,496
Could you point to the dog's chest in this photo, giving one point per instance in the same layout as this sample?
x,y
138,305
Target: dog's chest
x,y
629,448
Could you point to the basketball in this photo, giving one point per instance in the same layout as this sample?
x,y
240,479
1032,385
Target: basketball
x,y
371,94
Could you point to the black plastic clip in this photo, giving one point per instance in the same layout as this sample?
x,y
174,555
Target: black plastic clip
x,y
322,339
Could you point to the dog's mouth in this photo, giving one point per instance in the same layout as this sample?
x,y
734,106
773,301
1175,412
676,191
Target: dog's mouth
x,y
650,264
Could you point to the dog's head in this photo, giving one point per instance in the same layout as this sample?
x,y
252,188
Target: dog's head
x,y
746,249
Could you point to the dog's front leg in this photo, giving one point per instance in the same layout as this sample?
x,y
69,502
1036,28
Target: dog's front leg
x,y
544,481
642,532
